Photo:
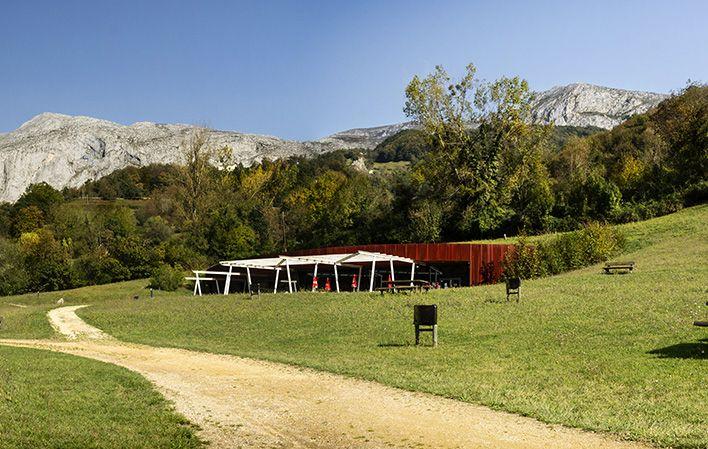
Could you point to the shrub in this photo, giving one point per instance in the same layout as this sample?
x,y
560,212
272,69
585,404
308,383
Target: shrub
x,y
696,194
523,261
592,244
168,278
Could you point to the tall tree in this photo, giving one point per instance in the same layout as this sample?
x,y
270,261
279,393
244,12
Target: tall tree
x,y
486,155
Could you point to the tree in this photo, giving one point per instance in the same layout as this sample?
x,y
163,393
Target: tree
x,y
13,278
484,150
43,196
136,255
156,229
46,261
28,219
120,220
195,176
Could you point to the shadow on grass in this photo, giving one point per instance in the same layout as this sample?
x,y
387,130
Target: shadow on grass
x,y
394,345
695,350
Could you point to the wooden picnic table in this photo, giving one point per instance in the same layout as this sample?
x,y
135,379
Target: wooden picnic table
x,y
406,285
611,267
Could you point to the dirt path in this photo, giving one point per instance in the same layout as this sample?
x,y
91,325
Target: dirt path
x,y
244,403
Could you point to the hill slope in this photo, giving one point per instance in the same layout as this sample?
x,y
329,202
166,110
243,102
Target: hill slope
x,y
609,353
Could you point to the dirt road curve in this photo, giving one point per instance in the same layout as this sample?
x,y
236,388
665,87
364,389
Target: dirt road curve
x,y
243,403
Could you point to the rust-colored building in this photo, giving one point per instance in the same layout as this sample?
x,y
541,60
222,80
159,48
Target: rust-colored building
x,y
462,263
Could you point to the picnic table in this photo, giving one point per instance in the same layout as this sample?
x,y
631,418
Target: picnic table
x,y
406,285
623,267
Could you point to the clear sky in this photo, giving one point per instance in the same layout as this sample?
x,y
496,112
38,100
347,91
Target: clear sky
x,y
305,69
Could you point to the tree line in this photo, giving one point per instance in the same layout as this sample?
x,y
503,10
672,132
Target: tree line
x,y
475,168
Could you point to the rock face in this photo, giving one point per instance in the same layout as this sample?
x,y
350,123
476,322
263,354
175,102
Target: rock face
x,y
588,105
65,151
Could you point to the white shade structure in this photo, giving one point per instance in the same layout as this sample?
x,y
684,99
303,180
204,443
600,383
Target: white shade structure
x,y
351,260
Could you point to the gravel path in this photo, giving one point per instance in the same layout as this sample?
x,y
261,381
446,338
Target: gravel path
x,y
244,403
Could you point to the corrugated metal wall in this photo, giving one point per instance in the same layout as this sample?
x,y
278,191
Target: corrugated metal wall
x,y
475,254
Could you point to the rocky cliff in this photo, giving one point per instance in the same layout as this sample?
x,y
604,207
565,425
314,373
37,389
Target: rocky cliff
x,y
67,151
588,105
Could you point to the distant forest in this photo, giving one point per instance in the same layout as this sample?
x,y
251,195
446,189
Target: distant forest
x,y
446,181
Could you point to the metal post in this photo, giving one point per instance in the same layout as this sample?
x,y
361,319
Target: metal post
x,y
277,275
227,285
314,275
373,270
290,282
393,275
248,275
359,282
196,282
336,277
412,273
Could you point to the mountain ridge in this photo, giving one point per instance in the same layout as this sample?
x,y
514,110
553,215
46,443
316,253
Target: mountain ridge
x,y
65,150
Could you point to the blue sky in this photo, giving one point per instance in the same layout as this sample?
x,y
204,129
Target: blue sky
x,y
305,69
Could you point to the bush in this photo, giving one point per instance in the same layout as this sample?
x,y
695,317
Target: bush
x,y
696,194
168,278
590,245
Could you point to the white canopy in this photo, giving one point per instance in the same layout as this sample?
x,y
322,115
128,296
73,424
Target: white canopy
x,y
272,263
285,262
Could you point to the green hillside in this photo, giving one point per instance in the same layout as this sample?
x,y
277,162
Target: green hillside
x,y
616,353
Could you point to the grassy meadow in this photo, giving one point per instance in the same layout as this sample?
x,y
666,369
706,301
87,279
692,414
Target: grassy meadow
x,y
50,400
615,354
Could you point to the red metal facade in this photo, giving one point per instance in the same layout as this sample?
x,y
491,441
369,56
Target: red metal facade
x,y
475,254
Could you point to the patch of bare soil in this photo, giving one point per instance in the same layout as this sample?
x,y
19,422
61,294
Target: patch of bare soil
x,y
244,403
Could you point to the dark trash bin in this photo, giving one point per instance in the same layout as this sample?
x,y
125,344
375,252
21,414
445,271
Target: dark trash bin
x,y
425,319
512,288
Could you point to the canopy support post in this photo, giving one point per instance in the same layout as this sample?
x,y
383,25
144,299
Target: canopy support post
x,y
290,282
198,285
373,271
336,277
277,275
314,275
359,282
227,284
412,273
248,274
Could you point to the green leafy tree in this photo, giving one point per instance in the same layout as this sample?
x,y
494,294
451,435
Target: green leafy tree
x,y
13,277
46,261
43,196
98,267
136,255
478,174
28,219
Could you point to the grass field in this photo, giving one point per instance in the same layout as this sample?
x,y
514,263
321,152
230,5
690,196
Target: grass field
x,y
50,400
608,353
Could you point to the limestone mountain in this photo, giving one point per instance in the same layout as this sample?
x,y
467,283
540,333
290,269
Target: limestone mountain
x,y
68,150
587,105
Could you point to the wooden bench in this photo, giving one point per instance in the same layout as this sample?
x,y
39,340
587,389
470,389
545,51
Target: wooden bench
x,y
407,285
622,267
